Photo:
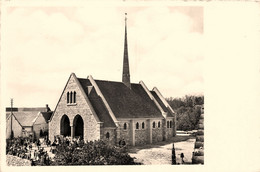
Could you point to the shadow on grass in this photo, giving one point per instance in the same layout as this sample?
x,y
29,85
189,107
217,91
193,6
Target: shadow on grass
x,y
175,139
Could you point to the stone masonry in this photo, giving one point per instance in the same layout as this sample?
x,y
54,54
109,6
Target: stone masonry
x,y
81,107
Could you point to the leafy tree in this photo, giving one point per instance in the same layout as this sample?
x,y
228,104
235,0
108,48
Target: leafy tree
x,y
187,111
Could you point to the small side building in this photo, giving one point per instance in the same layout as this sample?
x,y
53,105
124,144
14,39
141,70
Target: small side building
x,y
25,122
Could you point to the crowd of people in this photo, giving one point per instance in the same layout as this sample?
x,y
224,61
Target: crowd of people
x,y
28,148
36,150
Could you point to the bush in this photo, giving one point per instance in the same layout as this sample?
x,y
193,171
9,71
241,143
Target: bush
x,y
92,153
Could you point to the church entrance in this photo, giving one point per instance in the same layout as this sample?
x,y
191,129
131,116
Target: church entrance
x,y
79,127
65,129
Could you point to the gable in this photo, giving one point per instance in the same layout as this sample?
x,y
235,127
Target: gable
x,y
81,102
40,119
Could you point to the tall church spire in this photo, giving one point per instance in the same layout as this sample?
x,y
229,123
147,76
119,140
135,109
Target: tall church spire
x,y
126,71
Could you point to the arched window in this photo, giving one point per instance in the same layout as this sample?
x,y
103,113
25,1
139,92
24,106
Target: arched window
x,y
71,97
137,125
125,126
68,97
159,124
107,135
167,124
170,124
142,125
74,97
153,124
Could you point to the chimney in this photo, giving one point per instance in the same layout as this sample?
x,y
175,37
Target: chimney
x,y
47,108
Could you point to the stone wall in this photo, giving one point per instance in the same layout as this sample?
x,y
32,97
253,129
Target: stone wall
x,y
157,132
141,137
141,134
38,127
125,133
157,135
81,107
170,130
112,135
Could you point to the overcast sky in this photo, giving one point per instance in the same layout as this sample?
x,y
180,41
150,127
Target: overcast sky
x,y
44,45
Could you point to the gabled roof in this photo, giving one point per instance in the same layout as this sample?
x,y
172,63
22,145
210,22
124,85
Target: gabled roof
x,y
126,103
26,118
100,109
165,109
159,101
97,103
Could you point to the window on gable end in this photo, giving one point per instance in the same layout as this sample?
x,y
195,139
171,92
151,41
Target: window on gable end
x,y
170,124
68,97
74,101
167,124
159,124
71,96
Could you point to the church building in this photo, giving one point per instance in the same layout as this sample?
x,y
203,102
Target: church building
x,y
113,111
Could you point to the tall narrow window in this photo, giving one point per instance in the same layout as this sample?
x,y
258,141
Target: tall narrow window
x,y
153,124
170,124
143,125
125,126
159,124
167,124
137,125
71,97
74,97
68,97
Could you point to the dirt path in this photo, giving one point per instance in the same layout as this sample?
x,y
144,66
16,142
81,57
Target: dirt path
x,y
161,153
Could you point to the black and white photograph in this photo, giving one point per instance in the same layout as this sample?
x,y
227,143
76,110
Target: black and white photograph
x,y
95,84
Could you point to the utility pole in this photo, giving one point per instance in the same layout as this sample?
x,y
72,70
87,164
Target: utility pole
x,y
12,133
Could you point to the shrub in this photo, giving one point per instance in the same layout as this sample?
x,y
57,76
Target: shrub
x,y
92,153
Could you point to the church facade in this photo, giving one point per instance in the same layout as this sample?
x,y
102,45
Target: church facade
x,y
113,111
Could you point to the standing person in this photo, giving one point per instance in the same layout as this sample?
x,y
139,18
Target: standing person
x,y
38,144
173,155
32,162
182,156
123,142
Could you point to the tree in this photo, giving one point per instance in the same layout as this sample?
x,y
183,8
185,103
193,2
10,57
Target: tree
x,y
187,111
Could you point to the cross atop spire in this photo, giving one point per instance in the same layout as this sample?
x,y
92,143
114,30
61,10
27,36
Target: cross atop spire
x,y
126,71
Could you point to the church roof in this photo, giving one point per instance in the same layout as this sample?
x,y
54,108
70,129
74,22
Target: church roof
x,y
165,109
159,101
100,109
97,103
126,102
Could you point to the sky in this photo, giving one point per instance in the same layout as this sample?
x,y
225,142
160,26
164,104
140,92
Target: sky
x,y
42,46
